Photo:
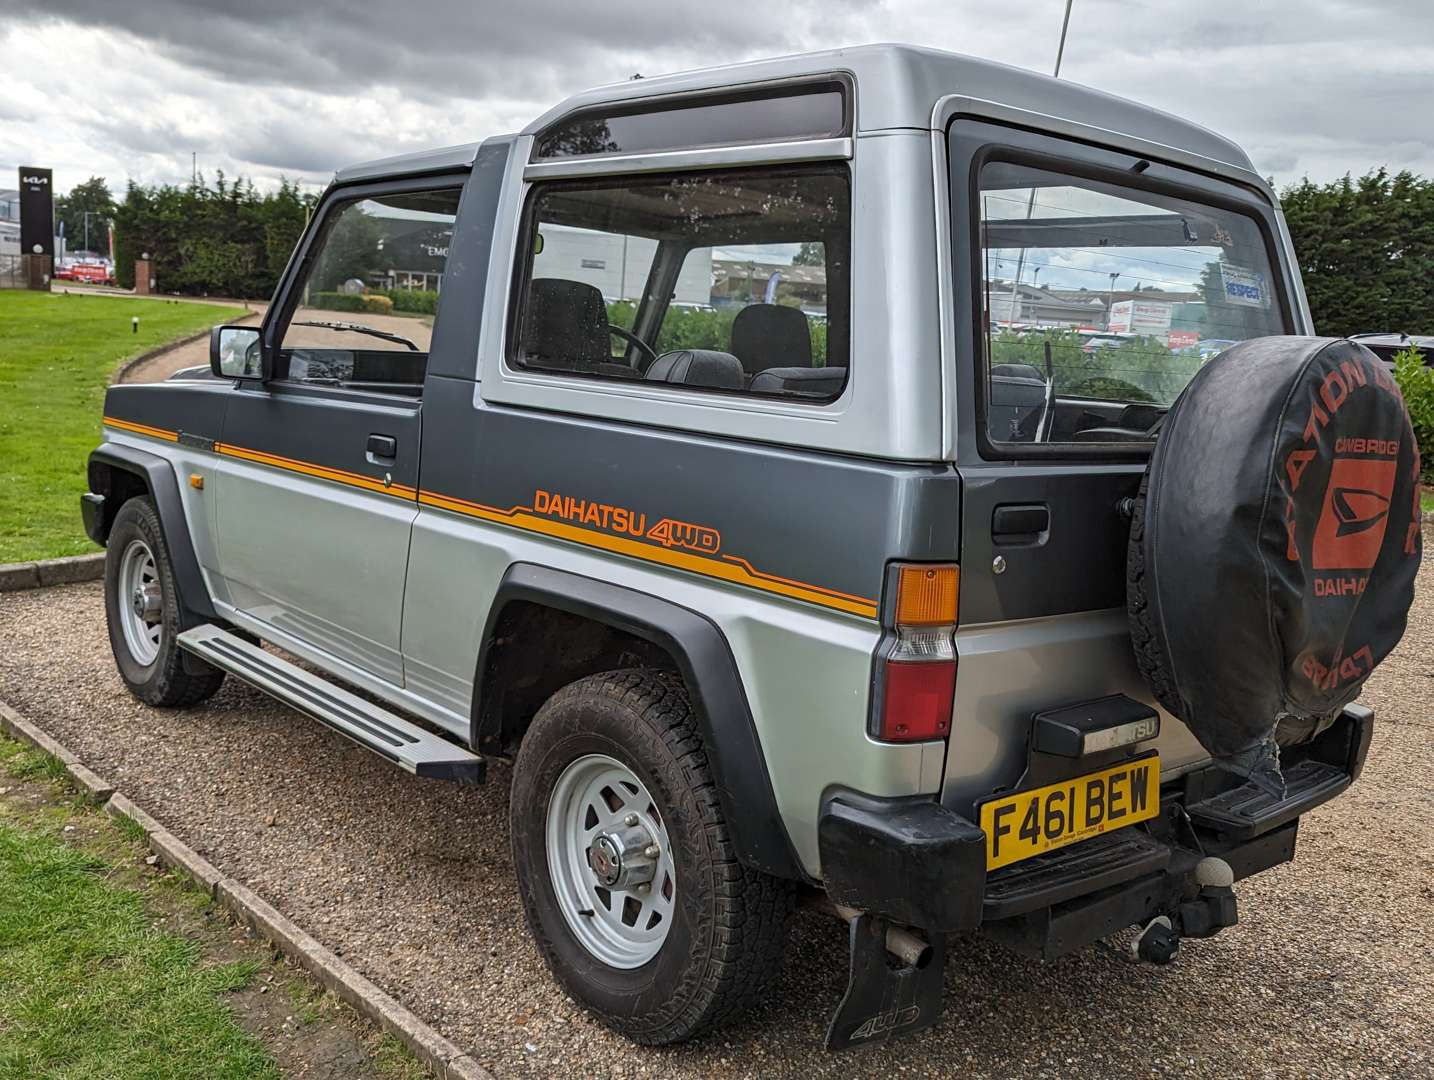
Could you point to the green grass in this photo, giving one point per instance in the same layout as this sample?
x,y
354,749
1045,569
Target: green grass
x,y
90,988
57,354
1426,501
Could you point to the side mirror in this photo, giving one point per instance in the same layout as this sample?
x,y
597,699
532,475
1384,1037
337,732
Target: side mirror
x,y
235,352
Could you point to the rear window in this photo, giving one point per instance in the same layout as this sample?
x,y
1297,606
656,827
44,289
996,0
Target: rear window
x,y
733,282
1101,302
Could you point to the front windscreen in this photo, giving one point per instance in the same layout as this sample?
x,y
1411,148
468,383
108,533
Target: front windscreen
x,y
1102,301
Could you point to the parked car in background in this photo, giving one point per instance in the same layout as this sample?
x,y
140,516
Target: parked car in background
x,y
1387,345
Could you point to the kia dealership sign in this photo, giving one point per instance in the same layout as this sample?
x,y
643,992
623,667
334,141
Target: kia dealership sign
x,y
37,211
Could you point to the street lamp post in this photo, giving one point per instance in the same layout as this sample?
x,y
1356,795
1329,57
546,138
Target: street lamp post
x,y
1110,297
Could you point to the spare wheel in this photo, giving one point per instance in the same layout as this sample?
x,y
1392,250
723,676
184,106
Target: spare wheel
x,y
1274,544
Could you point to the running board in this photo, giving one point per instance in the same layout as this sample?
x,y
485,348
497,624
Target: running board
x,y
375,728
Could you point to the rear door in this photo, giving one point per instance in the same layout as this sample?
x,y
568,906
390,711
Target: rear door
x,y
1085,280
318,490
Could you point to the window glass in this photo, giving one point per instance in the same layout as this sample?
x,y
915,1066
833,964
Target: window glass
x,y
808,112
1101,302
716,281
369,295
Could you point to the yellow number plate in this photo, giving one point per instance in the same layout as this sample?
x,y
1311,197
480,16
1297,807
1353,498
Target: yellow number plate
x,y
1042,819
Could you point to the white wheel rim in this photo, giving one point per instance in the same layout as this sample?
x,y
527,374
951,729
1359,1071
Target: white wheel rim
x,y
140,601
622,927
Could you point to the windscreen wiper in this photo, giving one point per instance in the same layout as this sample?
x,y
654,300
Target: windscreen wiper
x,y
360,329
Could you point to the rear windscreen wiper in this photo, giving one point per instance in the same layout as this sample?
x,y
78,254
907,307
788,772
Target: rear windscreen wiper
x,y
359,329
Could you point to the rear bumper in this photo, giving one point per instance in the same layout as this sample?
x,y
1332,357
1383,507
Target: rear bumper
x,y
920,864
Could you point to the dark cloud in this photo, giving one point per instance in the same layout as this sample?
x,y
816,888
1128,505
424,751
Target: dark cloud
x,y
274,87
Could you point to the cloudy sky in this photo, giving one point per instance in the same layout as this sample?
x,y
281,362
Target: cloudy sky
x,y
271,88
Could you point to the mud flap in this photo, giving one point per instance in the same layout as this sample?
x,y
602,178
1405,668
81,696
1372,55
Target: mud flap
x,y
885,999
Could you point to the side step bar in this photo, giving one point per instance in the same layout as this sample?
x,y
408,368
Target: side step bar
x,y
404,744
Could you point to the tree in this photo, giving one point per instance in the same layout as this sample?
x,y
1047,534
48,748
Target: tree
x,y
811,253
92,198
222,239
1366,251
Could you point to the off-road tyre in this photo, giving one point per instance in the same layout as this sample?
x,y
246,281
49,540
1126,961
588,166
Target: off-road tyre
x,y
1151,656
170,680
730,923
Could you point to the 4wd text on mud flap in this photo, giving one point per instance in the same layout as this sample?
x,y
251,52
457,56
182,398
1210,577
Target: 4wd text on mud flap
x,y
887,1021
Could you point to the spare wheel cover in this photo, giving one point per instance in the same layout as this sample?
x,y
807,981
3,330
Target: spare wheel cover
x,y
1274,548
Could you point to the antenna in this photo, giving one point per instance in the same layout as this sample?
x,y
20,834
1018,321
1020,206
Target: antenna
x,y
1060,52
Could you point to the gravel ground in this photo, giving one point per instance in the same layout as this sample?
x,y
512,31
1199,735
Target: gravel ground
x,y
1329,974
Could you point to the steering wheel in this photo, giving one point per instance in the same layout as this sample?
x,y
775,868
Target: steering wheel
x,y
630,337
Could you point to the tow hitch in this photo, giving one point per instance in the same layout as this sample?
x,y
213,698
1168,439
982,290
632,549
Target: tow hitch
x,y
1211,910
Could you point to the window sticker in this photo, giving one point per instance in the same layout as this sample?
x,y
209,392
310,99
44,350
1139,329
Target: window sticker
x,y
1244,286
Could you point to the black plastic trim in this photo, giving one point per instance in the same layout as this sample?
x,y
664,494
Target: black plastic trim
x,y
912,861
705,661
92,513
195,606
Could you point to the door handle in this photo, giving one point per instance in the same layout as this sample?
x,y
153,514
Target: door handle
x,y
1015,525
382,450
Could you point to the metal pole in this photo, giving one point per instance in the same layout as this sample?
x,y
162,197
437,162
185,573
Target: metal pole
x,y
1061,51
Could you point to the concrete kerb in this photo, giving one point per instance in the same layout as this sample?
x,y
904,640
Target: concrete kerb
x,y
41,574
250,909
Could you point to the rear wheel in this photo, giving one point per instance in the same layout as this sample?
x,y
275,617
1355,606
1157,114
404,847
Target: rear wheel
x,y
142,611
625,865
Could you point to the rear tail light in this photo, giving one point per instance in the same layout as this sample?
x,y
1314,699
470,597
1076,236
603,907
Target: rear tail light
x,y
918,675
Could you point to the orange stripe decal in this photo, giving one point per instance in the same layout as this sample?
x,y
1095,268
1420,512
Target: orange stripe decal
x,y
731,568
142,429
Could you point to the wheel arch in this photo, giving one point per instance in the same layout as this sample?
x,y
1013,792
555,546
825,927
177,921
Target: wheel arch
x,y
690,643
120,473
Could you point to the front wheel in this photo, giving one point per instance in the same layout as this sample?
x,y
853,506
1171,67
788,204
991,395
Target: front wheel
x,y
142,611
626,868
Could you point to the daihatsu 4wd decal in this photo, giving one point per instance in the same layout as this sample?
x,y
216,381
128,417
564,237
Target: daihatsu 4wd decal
x,y
668,532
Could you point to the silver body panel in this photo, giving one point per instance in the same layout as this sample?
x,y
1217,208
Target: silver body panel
x,y
805,673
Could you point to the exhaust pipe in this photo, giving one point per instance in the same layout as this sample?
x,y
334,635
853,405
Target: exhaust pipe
x,y
910,948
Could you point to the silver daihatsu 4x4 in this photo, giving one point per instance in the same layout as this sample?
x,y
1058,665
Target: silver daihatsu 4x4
x,y
760,459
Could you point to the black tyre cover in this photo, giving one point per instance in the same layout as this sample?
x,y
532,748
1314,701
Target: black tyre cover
x,y
1274,547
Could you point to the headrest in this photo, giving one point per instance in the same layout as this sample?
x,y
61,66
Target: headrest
x,y
823,382
698,367
565,326
771,335
1016,371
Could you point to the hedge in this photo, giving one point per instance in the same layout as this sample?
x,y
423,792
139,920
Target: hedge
x,y
367,303
1416,383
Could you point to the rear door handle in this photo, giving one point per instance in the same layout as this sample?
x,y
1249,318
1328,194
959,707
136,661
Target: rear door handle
x,y
1028,524
382,450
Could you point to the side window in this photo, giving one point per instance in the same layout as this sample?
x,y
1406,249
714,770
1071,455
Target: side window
x,y
1101,301
733,281
369,293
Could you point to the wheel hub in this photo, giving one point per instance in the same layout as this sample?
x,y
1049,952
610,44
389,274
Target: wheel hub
x,y
611,863
624,858
146,602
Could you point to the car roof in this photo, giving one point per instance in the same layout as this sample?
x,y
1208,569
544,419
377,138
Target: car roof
x,y
897,87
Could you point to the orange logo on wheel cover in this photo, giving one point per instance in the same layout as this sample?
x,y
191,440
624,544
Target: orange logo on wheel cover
x,y
1356,512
